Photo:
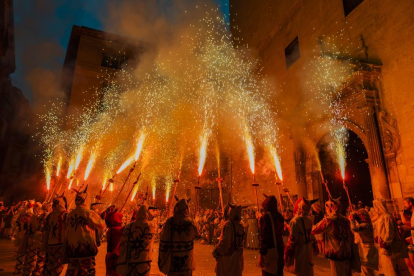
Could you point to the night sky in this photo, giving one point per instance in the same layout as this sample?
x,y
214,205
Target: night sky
x,y
42,31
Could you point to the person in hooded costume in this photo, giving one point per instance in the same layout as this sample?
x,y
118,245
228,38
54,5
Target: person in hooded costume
x,y
298,251
363,230
22,223
113,220
136,246
229,251
53,236
271,238
337,238
176,252
35,257
80,238
388,237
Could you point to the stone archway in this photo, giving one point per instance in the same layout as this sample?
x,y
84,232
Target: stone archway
x,y
358,176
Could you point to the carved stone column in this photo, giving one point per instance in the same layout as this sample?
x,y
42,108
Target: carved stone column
x,y
376,162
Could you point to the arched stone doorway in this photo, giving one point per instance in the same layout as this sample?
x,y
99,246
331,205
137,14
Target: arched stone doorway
x,y
357,173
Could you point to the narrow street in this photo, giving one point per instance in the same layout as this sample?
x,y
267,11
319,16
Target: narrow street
x,y
204,261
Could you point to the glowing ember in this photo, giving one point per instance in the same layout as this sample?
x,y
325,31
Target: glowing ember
x,y
58,166
134,192
90,165
250,151
202,155
126,164
47,178
71,167
276,162
78,157
70,184
140,145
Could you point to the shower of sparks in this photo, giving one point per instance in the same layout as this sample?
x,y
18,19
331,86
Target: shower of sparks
x,y
202,153
192,93
70,184
339,145
134,192
276,162
48,178
91,162
104,183
78,157
250,151
140,144
126,164
59,164
71,168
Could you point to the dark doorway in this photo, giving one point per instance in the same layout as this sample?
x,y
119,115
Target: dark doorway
x,y
357,176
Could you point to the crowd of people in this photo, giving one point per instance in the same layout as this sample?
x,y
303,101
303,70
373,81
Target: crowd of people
x,y
48,237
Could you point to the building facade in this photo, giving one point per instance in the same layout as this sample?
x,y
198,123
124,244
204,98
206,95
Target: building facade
x,y
20,165
372,38
92,58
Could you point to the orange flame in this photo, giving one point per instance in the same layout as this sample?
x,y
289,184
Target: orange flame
x,y
59,166
140,145
276,162
90,165
126,164
134,192
250,151
70,184
153,192
71,167
111,187
47,178
78,157
203,154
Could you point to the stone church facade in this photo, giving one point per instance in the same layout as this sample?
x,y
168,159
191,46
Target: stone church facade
x,y
376,96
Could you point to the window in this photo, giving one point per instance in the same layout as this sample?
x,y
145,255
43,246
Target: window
x,y
113,61
292,52
350,5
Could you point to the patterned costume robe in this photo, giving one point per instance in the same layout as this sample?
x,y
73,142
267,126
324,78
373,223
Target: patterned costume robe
x,y
337,238
266,232
53,237
363,230
229,251
137,241
35,257
22,224
177,242
80,238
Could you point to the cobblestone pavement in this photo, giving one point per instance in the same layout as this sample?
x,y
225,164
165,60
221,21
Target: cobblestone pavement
x,y
204,261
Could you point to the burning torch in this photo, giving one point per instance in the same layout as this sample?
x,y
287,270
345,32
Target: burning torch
x,y
130,192
176,181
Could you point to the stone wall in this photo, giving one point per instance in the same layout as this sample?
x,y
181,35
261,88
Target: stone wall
x,y
375,32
